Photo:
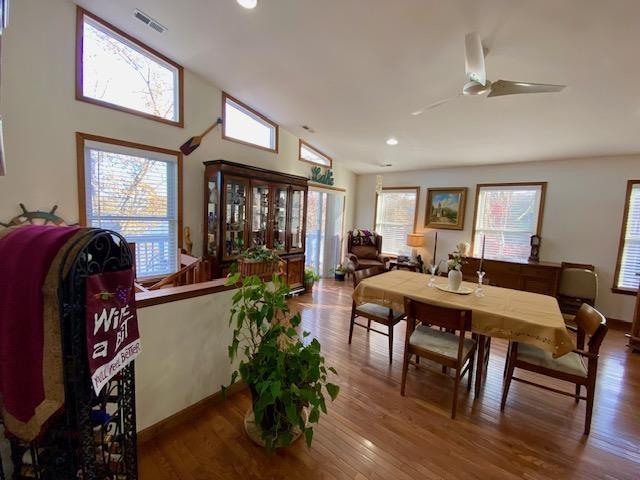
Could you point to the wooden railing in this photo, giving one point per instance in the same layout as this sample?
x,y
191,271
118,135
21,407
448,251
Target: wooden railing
x,y
193,270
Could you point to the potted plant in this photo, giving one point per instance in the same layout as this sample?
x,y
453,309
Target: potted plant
x,y
310,277
340,272
258,261
287,378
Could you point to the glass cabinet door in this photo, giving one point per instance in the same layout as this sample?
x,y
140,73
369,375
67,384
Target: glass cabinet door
x,y
235,221
296,223
280,198
259,214
212,218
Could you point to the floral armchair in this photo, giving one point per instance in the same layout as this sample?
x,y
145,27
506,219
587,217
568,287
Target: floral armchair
x,y
364,250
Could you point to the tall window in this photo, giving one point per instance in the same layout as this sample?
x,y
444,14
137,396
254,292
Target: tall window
x,y
628,266
395,217
507,215
306,153
117,71
135,191
241,123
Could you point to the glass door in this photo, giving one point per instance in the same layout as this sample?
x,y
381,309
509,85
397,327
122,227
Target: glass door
x,y
212,217
235,216
259,214
279,230
296,223
325,226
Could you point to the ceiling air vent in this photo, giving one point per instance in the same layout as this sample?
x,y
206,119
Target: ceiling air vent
x,y
148,21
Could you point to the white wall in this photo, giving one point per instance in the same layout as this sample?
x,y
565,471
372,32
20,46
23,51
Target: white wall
x,y
41,117
184,355
582,216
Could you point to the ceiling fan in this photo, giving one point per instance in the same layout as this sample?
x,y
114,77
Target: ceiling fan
x,y
478,83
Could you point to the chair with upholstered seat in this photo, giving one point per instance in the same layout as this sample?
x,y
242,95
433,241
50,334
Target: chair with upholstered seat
x,y
578,285
441,346
364,250
570,367
373,312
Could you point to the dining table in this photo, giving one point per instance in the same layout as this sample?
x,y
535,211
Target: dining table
x,y
505,313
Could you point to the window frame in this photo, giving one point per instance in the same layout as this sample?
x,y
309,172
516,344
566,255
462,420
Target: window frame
x,y
80,16
316,151
415,215
82,138
623,234
262,117
480,186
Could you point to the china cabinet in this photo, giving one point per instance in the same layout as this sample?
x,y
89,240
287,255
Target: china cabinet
x,y
249,206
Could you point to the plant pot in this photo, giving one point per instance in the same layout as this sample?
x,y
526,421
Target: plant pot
x,y
339,276
255,432
308,285
455,279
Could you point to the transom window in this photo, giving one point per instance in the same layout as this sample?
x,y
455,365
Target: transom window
x,y
134,190
241,123
307,153
395,217
628,266
117,71
507,215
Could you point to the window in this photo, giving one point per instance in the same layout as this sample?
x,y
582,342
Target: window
x,y
628,264
306,153
507,215
242,124
134,190
395,217
117,71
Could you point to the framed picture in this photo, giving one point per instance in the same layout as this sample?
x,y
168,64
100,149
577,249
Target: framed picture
x,y
445,208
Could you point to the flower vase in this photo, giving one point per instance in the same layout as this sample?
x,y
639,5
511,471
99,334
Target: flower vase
x,y
455,279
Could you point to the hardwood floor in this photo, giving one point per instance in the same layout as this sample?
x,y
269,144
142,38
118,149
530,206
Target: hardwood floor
x,y
372,432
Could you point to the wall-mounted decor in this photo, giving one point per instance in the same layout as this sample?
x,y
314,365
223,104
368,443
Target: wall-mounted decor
x,y
325,178
445,208
35,217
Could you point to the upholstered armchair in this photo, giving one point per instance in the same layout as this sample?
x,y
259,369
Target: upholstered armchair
x,y
364,250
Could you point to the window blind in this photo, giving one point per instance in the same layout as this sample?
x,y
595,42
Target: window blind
x,y
630,255
507,216
134,192
395,217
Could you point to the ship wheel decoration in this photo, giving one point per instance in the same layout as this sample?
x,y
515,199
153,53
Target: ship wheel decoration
x,y
36,217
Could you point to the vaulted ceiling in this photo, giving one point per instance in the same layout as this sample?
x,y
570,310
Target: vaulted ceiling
x,y
354,70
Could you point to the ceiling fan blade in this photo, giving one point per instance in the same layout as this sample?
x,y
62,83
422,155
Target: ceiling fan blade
x,y
506,87
474,58
433,105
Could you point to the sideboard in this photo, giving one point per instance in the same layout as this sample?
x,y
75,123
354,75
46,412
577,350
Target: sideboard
x,y
535,277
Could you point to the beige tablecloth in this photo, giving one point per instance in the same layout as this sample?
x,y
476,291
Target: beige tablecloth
x,y
510,314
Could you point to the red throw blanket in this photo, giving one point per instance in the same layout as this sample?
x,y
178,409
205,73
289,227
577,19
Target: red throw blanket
x,y
31,383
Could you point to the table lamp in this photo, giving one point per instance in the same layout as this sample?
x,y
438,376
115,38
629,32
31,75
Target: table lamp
x,y
415,240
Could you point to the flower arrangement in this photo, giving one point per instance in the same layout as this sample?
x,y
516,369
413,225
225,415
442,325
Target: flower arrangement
x,y
456,260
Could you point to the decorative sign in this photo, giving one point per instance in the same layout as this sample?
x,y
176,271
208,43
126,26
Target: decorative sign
x,y
113,340
325,178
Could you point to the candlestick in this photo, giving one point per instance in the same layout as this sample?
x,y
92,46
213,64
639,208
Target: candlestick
x,y
484,238
435,246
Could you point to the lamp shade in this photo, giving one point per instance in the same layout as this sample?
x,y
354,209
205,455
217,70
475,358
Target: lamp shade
x,y
415,240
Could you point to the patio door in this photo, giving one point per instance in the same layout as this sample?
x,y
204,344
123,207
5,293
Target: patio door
x,y
325,225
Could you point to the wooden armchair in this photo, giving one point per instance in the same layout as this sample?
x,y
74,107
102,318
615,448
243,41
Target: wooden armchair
x,y
570,367
366,256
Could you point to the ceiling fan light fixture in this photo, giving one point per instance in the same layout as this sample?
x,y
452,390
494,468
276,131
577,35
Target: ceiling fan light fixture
x,y
248,4
476,88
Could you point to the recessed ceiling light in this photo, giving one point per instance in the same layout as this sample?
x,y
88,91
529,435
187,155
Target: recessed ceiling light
x,y
248,3
392,141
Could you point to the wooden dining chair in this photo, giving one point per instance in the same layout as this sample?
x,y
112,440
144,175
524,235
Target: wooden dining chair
x,y
441,346
373,312
570,367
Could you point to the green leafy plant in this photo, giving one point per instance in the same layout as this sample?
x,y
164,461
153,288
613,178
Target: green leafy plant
x,y
285,374
310,275
341,269
259,254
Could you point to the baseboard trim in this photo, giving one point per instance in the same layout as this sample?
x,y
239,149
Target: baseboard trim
x,y
188,413
616,324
